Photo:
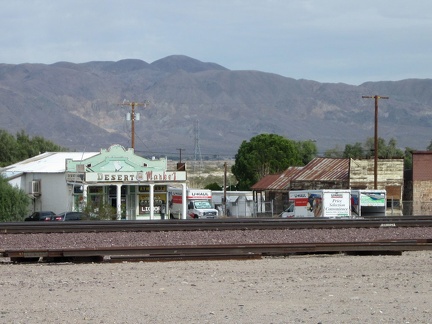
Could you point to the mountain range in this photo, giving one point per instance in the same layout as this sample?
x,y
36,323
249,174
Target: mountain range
x,y
202,109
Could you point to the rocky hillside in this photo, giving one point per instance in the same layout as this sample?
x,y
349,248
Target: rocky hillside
x,y
80,106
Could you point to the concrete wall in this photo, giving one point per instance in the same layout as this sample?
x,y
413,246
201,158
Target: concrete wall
x,y
55,195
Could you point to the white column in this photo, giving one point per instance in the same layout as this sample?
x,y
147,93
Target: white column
x,y
151,198
118,201
84,201
184,201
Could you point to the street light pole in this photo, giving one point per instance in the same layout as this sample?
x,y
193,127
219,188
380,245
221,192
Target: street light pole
x,y
376,138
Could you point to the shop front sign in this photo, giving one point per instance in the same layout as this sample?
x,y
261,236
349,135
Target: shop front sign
x,y
136,177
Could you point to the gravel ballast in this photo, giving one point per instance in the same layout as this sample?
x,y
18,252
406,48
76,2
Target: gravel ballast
x,y
296,289
125,239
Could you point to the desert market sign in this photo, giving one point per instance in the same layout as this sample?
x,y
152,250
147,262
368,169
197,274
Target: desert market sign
x,y
135,177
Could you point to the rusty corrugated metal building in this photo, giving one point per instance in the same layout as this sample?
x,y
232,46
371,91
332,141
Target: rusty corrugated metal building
x,y
331,173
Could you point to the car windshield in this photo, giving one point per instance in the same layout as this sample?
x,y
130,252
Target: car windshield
x,y
202,205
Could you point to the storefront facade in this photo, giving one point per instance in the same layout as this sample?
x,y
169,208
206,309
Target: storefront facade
x,y
135,186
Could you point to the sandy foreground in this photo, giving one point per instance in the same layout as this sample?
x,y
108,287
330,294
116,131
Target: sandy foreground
x,y
300,289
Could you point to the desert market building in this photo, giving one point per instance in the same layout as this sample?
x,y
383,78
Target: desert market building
x,y
69,181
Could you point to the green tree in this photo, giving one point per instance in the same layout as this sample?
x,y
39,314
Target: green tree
x,y
429,147
307,150
8,148
354,151
333,153
15,149
14,203
385,151
408,158
264,154
29,147
213,186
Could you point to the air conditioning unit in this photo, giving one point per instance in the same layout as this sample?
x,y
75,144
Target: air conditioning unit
x,y
80,168
35,188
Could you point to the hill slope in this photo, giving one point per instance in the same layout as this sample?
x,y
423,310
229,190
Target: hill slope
x,y
79,106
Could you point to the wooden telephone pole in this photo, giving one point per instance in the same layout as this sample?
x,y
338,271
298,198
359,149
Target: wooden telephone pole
x,y
133,116
376,137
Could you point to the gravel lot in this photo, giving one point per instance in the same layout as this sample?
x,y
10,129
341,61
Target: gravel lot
x,y
311,289
298,289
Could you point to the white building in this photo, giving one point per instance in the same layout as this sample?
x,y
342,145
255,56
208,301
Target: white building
x,y
66,181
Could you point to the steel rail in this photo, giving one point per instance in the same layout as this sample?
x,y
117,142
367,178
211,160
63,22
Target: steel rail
x,y
211,252
212,225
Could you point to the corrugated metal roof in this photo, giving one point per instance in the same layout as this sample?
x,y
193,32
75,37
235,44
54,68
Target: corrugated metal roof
x,y
49,162
265,182
277,181
324,169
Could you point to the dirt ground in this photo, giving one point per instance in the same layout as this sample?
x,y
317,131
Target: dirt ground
x,y
301,289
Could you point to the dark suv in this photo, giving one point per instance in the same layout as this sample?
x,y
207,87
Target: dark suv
x,y
40,216
70,216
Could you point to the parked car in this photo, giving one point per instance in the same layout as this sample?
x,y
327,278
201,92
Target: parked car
x,y
40,216
70,216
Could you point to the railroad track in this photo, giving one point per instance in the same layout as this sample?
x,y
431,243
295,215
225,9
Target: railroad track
x,y
210,252
211,224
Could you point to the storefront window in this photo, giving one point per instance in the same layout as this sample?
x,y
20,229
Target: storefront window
x,y
158,202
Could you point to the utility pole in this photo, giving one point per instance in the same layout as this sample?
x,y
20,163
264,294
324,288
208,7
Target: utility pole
x,y
180,165
197,154
376,137
133,116
225,189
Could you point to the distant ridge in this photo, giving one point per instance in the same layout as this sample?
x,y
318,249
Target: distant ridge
x,y
77,106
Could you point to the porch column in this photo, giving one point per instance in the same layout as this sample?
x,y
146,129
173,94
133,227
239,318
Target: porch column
x,y
84,201
151,198
184,202
118,201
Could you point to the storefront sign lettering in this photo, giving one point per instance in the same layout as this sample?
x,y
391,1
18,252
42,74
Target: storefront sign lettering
x,y
161,176
135,177
115,177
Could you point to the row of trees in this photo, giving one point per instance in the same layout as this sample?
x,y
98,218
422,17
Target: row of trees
x,y
20,147
366,150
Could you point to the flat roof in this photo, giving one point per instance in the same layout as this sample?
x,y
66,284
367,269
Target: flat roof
x,y
48,162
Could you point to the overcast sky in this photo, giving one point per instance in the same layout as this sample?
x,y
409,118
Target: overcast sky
x,y
322,40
